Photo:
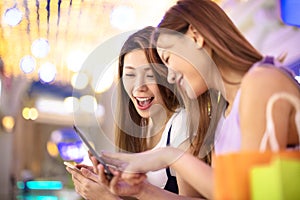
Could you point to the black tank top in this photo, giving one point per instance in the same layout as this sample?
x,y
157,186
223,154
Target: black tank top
x,y
171,184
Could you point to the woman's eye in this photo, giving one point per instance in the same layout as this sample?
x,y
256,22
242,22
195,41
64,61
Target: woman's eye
x,y
129,75
150,76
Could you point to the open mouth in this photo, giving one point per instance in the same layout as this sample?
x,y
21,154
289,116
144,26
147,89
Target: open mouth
x,y
144,102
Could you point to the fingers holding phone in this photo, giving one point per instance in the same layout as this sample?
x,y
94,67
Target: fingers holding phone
x,y
72,166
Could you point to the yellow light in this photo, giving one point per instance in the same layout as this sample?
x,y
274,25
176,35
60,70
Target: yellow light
x,y
8,123
30,113
103,83
25,113
33,113
79,80
52,149
71,104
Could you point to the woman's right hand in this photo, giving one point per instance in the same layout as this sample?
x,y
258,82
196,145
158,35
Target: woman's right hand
x,y
134,166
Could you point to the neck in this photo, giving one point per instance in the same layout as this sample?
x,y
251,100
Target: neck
x,y
156,127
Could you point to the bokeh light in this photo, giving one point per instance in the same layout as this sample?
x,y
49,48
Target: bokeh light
x,y
8,122
25,113
88,104
47,72
75,60
12,16
30,113
40,48
79,80
52,149
27,64
122,17
103,83
71,104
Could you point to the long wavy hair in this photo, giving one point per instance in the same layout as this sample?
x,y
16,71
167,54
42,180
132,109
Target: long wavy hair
x,y
229,47
129,130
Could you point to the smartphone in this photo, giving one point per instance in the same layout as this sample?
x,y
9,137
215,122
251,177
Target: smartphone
x,y
107,172
72,166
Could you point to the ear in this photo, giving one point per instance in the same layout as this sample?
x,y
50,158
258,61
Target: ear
x,y
195,35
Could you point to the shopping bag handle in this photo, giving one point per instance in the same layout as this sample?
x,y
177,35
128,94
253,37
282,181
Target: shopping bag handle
x,y
269,134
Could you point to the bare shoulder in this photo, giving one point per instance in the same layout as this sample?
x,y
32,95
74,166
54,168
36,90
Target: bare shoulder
x,y
267,80
257,87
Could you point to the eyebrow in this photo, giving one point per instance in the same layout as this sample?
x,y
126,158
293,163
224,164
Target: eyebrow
x,y
130,67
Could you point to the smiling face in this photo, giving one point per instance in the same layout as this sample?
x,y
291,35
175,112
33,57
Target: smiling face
x,y
186,65
140,84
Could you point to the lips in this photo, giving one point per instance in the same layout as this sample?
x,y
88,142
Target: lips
x,y
144,103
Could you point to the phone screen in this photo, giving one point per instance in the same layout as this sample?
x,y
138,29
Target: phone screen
x,y
107,172
72,166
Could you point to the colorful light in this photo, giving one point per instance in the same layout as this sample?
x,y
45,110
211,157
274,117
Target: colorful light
x,y
75,60
12,16
40,48
71,104
47,72
74,151
40,185
88,104
290,12
8,123
122,17
52,149
103,83
30,113
27,64
79,80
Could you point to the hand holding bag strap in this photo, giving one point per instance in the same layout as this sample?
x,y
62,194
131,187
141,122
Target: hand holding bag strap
x,y
270,130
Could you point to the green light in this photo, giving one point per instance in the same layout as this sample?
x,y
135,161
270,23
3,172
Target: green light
x,y
20,185
44,185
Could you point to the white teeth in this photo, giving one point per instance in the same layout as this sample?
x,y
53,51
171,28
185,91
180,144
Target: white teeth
x,y
143,99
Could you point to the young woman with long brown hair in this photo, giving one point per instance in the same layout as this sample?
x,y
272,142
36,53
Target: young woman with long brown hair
x,y
149,116
204,50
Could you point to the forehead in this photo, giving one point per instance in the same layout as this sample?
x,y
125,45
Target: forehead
x,y
167,40
136,59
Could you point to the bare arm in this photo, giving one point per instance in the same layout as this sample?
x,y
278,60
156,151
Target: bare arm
x,y
256,89
149,191
195,173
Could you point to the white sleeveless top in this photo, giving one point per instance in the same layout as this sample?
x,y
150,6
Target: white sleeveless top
x,y
178,135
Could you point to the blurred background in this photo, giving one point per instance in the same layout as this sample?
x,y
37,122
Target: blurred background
x,y
43,44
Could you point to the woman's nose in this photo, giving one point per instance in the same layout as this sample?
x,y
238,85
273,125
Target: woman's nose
x,y
171,76
140,84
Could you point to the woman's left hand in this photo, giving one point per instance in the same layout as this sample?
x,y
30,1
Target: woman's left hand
x,y
90,185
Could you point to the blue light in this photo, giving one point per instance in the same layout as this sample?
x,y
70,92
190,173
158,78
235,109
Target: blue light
x,y
71,151
44,185
34,197
290,12
46,198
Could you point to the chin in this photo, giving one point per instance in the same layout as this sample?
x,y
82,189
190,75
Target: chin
x,y
143,114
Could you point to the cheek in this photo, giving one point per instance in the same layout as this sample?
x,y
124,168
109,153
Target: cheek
x,y
155,91
128,86
200,86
